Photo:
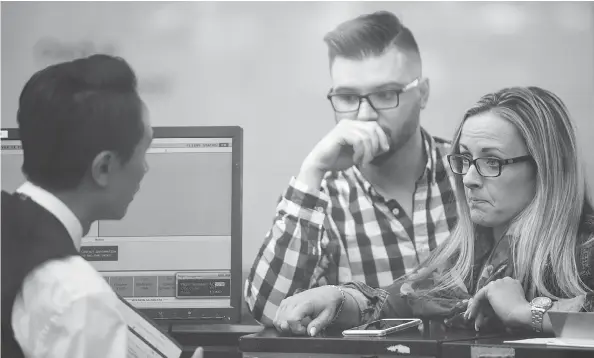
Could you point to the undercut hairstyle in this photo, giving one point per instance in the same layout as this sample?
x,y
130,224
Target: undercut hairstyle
x,y
370,35
72,111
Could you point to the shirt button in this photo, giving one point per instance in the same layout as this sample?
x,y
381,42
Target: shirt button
x,y
395,211
319,209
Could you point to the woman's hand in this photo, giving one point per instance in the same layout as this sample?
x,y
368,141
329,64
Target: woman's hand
x,y
506,298
309,311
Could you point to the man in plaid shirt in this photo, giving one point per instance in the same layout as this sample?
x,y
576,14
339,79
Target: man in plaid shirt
x,y
375,195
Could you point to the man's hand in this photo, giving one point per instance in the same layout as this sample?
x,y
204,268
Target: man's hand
x,y
199,353
309,311
350,142
506,298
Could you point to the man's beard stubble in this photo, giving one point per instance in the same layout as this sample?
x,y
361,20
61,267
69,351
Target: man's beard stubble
x,y
408,131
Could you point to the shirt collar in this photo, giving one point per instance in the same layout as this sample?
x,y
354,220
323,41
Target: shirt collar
x,y
55,206
431,153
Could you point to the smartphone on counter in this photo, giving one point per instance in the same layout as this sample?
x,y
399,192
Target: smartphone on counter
x,y
382,327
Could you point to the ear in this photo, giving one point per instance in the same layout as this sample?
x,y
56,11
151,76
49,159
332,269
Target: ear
x,y
424,88
103,165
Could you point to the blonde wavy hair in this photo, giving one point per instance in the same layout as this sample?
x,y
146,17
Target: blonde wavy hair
x,y
547,232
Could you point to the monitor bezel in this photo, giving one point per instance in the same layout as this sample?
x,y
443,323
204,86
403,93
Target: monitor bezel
x,y
232,314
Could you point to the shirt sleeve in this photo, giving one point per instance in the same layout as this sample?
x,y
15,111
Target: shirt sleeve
x,y
298,253
372,302
87,328
393,301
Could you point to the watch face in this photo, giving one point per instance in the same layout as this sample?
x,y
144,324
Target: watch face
x,y
542,302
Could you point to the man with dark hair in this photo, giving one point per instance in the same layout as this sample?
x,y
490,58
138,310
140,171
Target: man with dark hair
x,y
374,197
85,132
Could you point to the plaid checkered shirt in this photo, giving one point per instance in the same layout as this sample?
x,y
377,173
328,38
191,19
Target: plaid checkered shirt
x,y
346,231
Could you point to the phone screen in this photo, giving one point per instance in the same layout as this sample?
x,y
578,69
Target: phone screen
x,y
384,324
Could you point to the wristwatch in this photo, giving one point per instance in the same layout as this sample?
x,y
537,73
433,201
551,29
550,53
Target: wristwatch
x,y
539,306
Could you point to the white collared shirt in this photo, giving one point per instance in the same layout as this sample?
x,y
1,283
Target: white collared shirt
x,y
66,309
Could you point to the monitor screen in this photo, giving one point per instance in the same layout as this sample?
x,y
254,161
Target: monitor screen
x,y
172,255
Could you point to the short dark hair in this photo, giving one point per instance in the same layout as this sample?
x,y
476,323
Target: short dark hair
x,y
72,111
369,35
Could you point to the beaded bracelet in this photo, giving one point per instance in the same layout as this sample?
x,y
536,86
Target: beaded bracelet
x,y
340,306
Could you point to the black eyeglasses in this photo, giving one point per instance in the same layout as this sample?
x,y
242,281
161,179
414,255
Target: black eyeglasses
x,y
351,102
487,167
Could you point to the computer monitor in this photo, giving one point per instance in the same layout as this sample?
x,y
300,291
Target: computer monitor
x,y
176,255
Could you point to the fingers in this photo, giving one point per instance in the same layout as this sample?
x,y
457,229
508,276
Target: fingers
x,y
384,141
362,146
276,320
199,353
372,145
279,321
296,326
484,316
475,303
292,316
469,308
320,322
367,139
478,322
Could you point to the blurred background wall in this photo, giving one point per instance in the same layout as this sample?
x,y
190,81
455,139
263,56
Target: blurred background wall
x,y
263,66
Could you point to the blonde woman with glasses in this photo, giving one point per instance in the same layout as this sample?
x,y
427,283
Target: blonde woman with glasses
x,y
523,244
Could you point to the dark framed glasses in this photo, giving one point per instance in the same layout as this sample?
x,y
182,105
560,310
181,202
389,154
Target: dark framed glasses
x,y
487,167
386,99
